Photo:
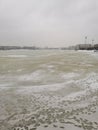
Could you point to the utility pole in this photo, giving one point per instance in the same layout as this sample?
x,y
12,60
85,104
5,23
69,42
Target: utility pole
x,y
92,41
85,39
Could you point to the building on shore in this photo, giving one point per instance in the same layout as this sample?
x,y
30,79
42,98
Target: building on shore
x,y
84,47
96,46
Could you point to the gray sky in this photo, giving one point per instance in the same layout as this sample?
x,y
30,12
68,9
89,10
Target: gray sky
x,y
48,22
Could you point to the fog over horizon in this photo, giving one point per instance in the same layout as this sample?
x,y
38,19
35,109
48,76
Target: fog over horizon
x,y
52,23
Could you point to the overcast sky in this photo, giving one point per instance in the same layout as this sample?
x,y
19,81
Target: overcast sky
x,y
48,22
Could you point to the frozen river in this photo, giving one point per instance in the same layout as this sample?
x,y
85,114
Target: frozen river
x,y
48,90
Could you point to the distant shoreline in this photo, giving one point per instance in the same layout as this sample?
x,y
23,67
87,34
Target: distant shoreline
x,y
76,47
28,48
18,48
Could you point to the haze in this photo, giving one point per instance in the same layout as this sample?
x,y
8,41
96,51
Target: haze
x,y
52,23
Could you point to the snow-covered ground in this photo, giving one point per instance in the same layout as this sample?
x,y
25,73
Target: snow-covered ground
x,y
48,90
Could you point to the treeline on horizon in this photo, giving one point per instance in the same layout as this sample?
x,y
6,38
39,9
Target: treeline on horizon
x,y
76,47
17,47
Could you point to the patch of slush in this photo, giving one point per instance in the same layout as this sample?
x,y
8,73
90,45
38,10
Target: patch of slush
x,y
14,56
50,66
86,85
70,75
19,70
91,81
41,88
43,75
5,86
35,76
